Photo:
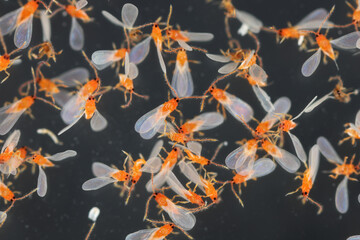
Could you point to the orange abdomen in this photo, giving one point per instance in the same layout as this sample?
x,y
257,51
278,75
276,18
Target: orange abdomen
x,y
6,193
42,161
21,105
4,62
77,13
90,107
120,175
28,10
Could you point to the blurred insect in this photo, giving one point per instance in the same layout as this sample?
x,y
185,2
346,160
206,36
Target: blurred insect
x,y
235,106
44,162
355,237
13,164
93,215
45,48
155,233
253,170
45,131
126,81
152,165
76,11
353,130
308,177
21,19
181,217
9,146
342,168
5,61
249,22
341,93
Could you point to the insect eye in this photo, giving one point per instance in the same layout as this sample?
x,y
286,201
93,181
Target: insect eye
x,y
156,25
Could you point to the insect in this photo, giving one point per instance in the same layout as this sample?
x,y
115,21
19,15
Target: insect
x,y
9,146
44,162
5,61
355,237
204,121
21,20
308,177
179,215
76,11
126,81
353,130
104,58
253,170
342,168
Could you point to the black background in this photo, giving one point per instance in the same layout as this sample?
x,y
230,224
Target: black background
x,y
268,214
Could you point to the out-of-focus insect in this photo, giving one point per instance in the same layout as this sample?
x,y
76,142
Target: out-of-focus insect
x,y
9,146
76,11
17,159
260,168
93,215
249,22
353,130
21,19
126,81
5,61
181,217
45,48
355,237
152,165
341,93
206,186
44,162
308,177
311,21
236,107
342,168
169,163
156,233
45,131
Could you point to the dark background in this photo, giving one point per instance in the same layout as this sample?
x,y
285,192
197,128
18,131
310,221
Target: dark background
x,y
268,214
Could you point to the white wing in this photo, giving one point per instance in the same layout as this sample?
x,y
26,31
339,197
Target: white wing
x,y
355,237
158,181
133,71
357,119
73,77
258,74
175,185
156,149
70,125
8,21
314,161
23,33
180,216
228,68
100,169
152,165
12,141
46,25
62,155
198,37
287,160
208,120
96,183
98,122
72,109
62,97
313,105
282,106
314,19
129,14
190,173
112,19
310,65
218,58
81,4
184,45
161,60
250,20
238,108
3,217
8,120
76,35
147,121
103,58
235,156
328,151
195,147
263,98
42,183
182,81
263,167
347,41
140,51
299,149
342,196
144,234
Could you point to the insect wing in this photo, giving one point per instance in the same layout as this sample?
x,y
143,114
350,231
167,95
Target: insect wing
x,y
3,217
73,77
23,33
148,121
228,68
145,234
46,26
184,45
238,108
287,160
250,20
140,51
347,41
62,155
100,169
72,109
8,21
96,183
76,35
314,161
328,151
112,19
263,167
258,74
62,97
263,98
158,181
42,183
314,20
175,185
218,58
195,147
299,149
70,125
180,216
103,58
198,37
81,4
11,141
282,106
342,196
190,173
355,237
207,121
8,120
152,165
310,65
129,14
161,60
98,122
182,80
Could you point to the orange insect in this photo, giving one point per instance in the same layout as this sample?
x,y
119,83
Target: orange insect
x,y
5,61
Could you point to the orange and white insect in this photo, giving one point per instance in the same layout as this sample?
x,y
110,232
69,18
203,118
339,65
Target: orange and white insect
x,y
5,61
17,159
260,168
204,121
22,20
44,162
181,217
182,80
183,37
104,58
308,177
242,155
104,175
342,168
76,11
353,130
9,146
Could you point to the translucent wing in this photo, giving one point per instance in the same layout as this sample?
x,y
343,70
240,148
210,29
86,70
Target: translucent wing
x,y
98,122
167,127
175,185
328,151
347,41
46,26
287,160
314,160
263,167
156,149
8,120
158,181
307,106
310,65
73,77
314,19
228,68
42,183
182,81
356,237
250,20
23,33
282,106
11,141
129,14
112,19
140,51
70,125
127,64
234,156
263,98
184,45
100,170
195,147
103,58
62,155
3,217
357,119
133,71
144,234
218,58
342,196
96,183
299,149
62,97
161,60
8,21
258,74
147,121
207,121
76,36
180,216
81,4
152,165
190,173
72,109
314,104
198,37
238,108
